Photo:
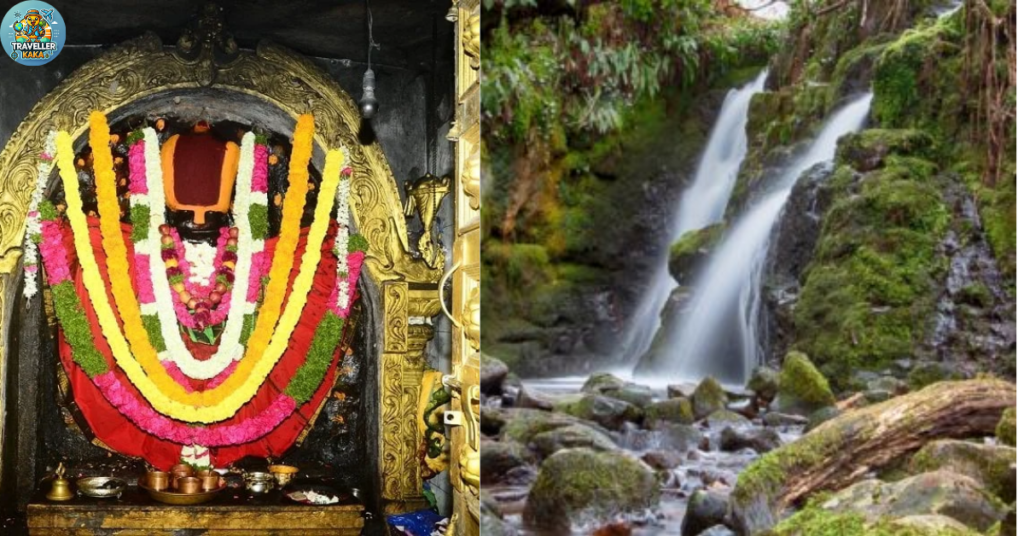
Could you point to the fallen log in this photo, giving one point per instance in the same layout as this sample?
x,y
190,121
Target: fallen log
x,y
842,450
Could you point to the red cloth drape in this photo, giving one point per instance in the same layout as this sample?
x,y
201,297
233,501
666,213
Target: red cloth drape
x,y
122,435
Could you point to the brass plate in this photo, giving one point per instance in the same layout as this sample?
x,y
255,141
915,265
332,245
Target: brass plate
x,y
181,499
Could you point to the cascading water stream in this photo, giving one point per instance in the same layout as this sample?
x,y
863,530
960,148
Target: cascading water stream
x,y
721,323
702,204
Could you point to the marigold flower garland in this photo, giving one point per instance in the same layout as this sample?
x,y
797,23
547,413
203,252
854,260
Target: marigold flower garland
x,y
33,229
76,328
147,374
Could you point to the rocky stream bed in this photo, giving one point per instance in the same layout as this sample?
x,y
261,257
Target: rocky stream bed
x,y
606,456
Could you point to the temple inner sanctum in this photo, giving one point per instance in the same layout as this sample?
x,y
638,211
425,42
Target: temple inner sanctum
x,y
239,262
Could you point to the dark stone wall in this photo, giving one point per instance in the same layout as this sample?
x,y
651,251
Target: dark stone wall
x,y
416,109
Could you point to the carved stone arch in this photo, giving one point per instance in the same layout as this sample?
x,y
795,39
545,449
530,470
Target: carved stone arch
x,y
139,74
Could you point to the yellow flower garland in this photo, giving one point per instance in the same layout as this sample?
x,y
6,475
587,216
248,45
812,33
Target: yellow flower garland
x,y
231,396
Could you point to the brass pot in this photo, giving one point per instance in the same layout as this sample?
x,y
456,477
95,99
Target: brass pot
x,y
158,480
189,484
283,474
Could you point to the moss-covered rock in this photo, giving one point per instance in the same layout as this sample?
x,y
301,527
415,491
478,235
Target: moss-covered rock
x,y
868,149
691,249
764,383
673,410
580,486
724,416
1006,430
933,493
990,465
608,412
708,398
802,389
523,424
639,395
870,294
573,436
602,381
818,522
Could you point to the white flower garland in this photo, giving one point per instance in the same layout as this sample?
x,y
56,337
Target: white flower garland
x,y
230,348
200,257
33,224
341,241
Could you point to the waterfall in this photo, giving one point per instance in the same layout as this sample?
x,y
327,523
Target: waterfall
x,y
702,204
718,334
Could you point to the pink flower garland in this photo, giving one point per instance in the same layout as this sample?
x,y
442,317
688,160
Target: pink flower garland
x,y
137,169
259,172
159,425
52,249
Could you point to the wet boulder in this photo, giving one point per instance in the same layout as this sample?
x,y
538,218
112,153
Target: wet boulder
x,y
662,459
802,389
527,398
691,249
992,466
674,410
935,493
499,457
681,390
492,375
583,487
724,416
608,412
573,436
639,395
761,439
708,398
523,425
704,510
764,383
601,382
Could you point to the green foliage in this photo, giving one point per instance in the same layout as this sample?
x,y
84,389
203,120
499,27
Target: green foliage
x,y
1006,431
584,69
140,222
311,373
156,337
76,329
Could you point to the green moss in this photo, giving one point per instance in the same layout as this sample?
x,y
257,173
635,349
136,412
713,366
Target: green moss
x,y
871,289
801,386
694,241
708,398
817,521
678,410
578,481
761,479
1006,431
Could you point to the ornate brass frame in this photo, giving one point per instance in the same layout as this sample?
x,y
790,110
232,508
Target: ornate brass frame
x,y
143,68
